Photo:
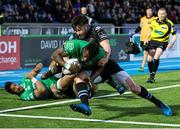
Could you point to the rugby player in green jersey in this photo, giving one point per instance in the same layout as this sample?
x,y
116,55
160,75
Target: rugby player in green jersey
x,y
89,55
29,88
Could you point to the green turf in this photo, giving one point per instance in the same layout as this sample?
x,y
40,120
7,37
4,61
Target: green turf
x,y
119,108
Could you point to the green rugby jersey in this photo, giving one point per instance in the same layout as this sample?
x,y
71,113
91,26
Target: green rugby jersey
x,y
29,88
74,48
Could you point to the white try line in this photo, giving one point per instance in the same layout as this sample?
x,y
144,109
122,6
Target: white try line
x,y
159,67
91,120
131,63
75,100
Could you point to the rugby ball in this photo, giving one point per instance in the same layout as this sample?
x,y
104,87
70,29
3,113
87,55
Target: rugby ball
x,y
72,66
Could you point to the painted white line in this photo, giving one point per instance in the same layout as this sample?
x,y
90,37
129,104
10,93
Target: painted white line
x,y
38,106
11,80
91,120
159,67
131,63
153,89
75,100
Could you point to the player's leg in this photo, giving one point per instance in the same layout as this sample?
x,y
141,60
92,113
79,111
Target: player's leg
x,y
158,53
123,78
145,55
81,88
111,68
150,59
63,86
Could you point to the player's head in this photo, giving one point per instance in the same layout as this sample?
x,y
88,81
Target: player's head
x,y
149,11
162,14
13,88
90,52
80,25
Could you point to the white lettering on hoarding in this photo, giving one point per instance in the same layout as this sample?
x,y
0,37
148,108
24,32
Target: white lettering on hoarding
x,y
8,47
7,60
49,44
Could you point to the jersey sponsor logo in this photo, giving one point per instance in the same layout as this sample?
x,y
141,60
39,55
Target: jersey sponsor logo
x,y
163,27
70,46
158,32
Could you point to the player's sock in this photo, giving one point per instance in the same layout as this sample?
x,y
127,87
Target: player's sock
x,y
111,83
150,66
155,65
152,75
82,90
146,95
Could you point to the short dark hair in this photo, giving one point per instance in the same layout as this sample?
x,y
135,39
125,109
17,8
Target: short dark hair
x,y
93,49
79,20
8,87
149,7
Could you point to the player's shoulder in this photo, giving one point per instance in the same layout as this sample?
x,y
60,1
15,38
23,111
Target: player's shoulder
x,y
153,20
169,21
143,18
97,28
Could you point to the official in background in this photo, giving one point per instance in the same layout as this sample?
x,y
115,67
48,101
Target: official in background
x,y
159,35
144,27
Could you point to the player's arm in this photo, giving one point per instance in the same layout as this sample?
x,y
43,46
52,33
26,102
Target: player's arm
x,y
106,46
58,56
40,90
174,37
104,42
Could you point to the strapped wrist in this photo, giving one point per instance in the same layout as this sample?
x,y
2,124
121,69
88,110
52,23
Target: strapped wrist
x,y
67,65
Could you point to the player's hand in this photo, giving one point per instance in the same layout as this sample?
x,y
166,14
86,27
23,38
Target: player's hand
x,y
146,42
170,45
75,68
55,92
93,87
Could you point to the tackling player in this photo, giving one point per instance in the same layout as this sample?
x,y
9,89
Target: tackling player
x,y
84,31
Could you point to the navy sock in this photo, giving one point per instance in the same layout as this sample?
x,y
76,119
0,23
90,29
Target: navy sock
x,y
150,66
156,65
146,95
82,90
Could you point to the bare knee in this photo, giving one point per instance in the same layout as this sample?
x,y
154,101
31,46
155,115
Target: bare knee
x,y
132,86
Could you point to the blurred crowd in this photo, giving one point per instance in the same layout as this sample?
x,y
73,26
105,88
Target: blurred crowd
x,y
116,12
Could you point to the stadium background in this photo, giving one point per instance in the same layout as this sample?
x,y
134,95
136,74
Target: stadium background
x,y
33,29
